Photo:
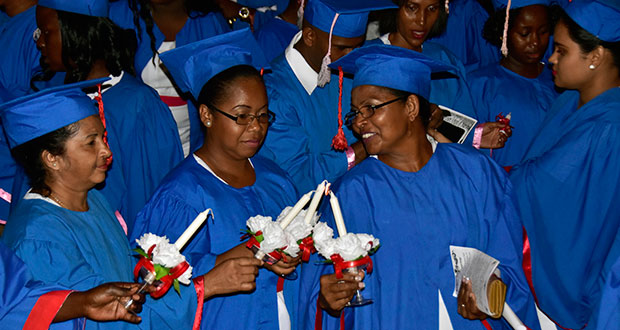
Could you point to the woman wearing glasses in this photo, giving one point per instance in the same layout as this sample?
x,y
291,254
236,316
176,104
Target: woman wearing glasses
x,y
225,174
418,199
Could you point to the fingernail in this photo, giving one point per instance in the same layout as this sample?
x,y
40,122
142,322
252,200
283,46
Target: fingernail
x,y
358,278
362,285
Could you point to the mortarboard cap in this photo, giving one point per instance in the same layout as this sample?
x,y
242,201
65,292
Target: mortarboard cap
x,y
85,7
193,65
352,19
514,4
37,114
599,17
392,67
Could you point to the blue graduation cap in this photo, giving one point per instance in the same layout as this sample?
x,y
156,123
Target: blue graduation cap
x,y
35,115
599,17
352,15
85,7
392,67
194,64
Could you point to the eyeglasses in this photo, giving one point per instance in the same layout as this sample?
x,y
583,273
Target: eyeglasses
x,y
367,111
246,118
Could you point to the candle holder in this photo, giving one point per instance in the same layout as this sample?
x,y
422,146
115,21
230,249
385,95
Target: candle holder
x,y
148,278
353,267
358,299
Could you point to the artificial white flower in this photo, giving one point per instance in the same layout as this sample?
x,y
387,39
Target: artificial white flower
x,y
292,248
258,223
368,241
147,240
298,227
322,235
167,255
349,247
186,277
273,237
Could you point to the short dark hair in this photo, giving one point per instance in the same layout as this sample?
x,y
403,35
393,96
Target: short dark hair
x,y
388,20
425,106
493,29
86,39
29,155
587,41
220,86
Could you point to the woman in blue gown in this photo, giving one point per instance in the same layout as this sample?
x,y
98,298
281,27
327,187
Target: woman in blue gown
x,y
418,200
65,231
410,27
226,175
519,84
141,132
567,186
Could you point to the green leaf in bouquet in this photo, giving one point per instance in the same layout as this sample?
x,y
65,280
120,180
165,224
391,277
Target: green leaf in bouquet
x,y
175,283
374,250
160,271
259,238
141,252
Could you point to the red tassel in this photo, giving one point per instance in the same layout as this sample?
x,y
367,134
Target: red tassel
x,y
262,71
99,100
339,142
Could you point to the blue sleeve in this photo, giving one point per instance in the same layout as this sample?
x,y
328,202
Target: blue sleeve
x,y
290,143
169,215
609,313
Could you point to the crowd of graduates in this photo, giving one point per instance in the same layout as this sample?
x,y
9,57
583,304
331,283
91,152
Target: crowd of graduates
x,y
120,118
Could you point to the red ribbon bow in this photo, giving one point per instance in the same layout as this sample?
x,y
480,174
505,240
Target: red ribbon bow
x,y
340,264
166,281
254,244
307,248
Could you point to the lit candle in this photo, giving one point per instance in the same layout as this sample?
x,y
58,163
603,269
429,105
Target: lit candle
x,y
318,193
333,200
295,210
191,230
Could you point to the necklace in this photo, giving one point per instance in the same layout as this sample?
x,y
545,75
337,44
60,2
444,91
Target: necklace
x,y
61,204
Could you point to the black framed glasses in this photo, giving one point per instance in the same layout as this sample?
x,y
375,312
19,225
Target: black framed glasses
x,y
246,118
367,111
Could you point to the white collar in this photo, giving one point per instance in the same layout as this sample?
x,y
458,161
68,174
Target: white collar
x,y
109,83
302,70
206,167
385,39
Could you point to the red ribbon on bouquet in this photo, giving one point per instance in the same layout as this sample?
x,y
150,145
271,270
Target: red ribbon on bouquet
x,y
340,264
166,281
500,118
307,248
253,242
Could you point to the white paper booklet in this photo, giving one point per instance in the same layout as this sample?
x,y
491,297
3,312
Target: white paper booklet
x,y
478,267
456,126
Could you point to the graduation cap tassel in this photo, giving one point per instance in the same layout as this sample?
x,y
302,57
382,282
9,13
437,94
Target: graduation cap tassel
x,y
325,74
99,100
300,13
339,142
505,34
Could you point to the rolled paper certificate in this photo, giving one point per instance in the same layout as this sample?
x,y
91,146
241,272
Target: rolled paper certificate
x,y
333,200
512,318
318,193
193,227
295,210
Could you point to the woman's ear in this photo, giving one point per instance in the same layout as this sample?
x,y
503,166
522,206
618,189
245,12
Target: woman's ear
x,y
205,115
50,161
412,104
308,36
597,56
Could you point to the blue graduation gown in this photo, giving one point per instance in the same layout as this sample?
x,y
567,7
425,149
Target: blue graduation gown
x,y
144,140
496,90
463,35
451,92
191,189
609,314
566,191
19,292
197,27
81,250
459,197
20,60
301,136
274,37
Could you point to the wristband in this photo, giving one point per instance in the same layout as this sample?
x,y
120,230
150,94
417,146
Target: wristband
x,y
350,157
478,136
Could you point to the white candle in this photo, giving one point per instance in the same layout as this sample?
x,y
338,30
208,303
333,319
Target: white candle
x,y
295,210
512,318
318,193
333,200
193,227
